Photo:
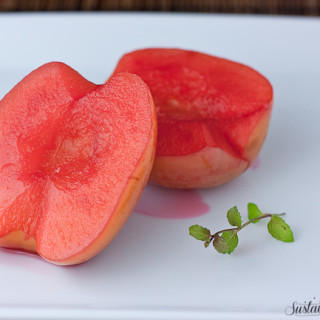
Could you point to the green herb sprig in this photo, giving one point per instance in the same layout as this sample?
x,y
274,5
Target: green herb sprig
x,y
226,240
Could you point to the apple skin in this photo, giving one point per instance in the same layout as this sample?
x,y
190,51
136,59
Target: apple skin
x,y
178,80
208,167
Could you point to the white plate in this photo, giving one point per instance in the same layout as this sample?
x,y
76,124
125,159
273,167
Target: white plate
x,y
154,269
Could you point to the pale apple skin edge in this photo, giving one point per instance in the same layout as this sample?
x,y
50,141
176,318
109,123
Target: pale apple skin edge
x,y
125,206
19,240
210,166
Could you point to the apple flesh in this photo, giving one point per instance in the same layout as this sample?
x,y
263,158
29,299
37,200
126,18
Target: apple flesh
x,y
74,159
213,115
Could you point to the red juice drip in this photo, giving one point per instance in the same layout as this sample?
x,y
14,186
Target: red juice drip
x,y
171,203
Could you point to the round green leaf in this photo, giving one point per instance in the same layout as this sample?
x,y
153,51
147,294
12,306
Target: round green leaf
x,y
232,239
200,233
280,230
253,212
234,217
220,244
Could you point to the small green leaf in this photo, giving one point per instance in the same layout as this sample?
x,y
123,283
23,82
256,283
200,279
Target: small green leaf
x,y
200,233
234,217
232,239
253,212
279,229
206,244
220,244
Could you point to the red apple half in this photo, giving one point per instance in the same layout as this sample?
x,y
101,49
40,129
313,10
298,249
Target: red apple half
x,y
213,115
74,159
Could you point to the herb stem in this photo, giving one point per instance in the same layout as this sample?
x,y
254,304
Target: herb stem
x,y
266,215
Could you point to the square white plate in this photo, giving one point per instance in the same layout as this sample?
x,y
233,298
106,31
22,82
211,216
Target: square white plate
x,y
154,269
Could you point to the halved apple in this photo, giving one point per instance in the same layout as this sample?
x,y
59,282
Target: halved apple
x,y
74,159
213,115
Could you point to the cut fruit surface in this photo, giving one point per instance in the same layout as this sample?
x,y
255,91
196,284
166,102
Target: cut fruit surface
x,y
213,114
74,158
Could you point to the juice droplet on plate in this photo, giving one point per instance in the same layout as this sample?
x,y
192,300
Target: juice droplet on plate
x,y
256,164
171,203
